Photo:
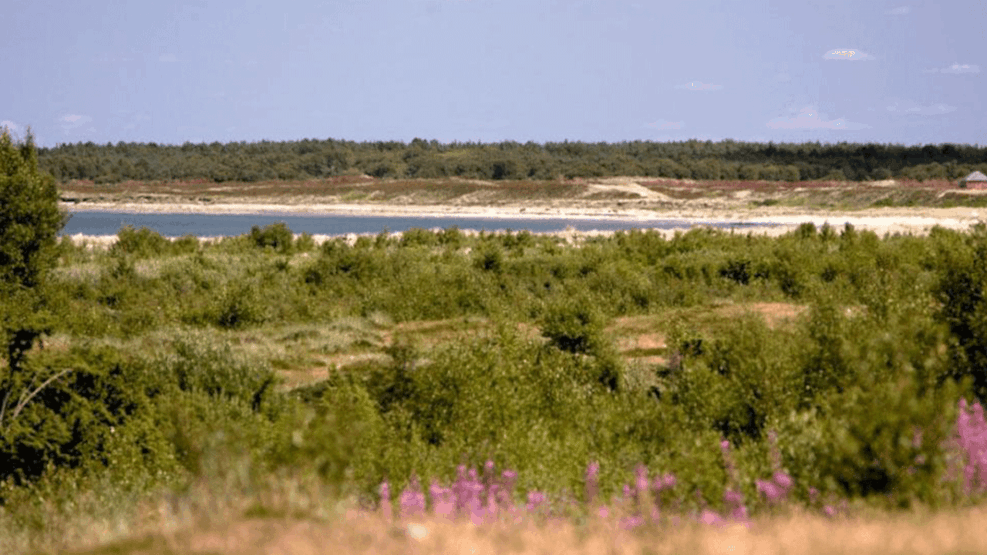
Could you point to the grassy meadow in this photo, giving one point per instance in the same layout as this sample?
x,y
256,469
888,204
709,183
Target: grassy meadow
x,y
443,391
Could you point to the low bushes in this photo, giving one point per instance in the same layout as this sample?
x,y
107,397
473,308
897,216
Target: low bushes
x,y
855,400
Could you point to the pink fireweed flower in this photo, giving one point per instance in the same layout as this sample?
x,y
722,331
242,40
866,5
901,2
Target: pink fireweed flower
x,y
735,502
412,500
813,495
641,485
770,490
710,518
535,500
385,499
631,522
784,481
732,497
443,504
489,475
592,482
509,477
492,501
971,428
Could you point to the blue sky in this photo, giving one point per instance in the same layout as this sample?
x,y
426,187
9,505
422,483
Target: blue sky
x,y
484,70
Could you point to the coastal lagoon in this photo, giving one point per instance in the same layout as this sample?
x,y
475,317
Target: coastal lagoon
x,y
212,225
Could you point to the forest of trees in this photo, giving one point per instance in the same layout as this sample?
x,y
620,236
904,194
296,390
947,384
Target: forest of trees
x,y
314,159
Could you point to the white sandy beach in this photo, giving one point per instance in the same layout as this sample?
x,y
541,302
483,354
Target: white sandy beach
x,y
777,220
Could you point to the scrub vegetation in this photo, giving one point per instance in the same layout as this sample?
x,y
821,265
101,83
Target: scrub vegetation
x,y
181,395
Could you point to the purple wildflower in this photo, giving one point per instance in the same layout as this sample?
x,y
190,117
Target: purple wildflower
x,y
493,495
443,504
813,495
385,499
770,490
732,497
734,500
592,481
412,500
535,500
782,480
641,487
711,518
509,477
631,522
972,432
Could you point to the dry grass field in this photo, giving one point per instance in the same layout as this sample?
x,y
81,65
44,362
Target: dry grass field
x,y
952,532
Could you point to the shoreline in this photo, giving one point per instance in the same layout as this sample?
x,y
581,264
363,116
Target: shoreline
x,y
773,220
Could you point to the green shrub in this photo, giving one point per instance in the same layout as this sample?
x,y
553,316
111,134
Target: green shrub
x,y
736,382
240,306
81,407
200,362
961,290
276,236
140,243
574,325
884,440
340,436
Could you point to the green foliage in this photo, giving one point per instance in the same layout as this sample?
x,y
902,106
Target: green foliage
x,y
276,236
239,306
146,243
886,327
885,439
340,435
88,406
199,364
737,382
29,222
328,159
142,243
961,289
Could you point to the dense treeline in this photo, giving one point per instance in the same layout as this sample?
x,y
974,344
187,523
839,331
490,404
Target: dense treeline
x,y
310,158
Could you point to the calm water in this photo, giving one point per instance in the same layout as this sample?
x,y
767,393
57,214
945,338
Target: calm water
x,y
211,225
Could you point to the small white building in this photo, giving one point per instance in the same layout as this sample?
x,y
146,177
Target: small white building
x,y
975,180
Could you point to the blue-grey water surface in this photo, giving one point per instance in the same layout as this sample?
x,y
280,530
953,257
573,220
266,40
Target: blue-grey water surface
x,y
211,225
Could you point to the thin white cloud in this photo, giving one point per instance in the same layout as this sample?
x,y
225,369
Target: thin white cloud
x,y
15,128
810,118
662,124
167,58
908,107
901,10
849,54
72,122
961,68
699,86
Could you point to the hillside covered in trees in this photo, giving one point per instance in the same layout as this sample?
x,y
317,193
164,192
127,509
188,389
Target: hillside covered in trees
x,y
313,159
